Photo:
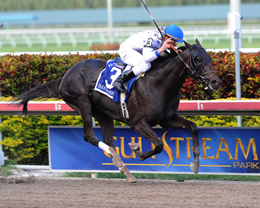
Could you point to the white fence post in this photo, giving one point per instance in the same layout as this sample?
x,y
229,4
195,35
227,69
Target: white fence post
x,y
2,155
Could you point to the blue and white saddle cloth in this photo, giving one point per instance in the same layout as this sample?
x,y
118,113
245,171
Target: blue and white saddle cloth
x,y
106,79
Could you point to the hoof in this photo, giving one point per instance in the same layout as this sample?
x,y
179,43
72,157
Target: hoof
x,y
117,161
136,149
129,177
194,166
134,146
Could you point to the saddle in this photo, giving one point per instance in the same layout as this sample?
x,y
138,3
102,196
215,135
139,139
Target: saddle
x,y
105,80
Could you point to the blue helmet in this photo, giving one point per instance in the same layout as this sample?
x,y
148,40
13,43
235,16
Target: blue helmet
x,y
174,32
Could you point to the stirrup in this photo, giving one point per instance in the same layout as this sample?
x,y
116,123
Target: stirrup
x,y
119,85
123,90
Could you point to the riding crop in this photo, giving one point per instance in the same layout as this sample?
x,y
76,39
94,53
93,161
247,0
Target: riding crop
x,y
172,47
153,19
157,26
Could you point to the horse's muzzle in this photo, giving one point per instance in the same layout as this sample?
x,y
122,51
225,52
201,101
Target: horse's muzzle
x,y
211,79
214,84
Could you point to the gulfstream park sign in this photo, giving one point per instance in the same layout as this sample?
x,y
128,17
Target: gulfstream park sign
x,y
223,150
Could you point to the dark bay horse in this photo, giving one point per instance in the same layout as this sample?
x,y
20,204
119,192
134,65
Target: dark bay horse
x,y
153,100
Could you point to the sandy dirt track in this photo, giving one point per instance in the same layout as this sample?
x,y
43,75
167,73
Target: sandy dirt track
x,y
60,192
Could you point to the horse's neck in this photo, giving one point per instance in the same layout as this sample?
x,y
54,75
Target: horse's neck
x,y
174,71
176,64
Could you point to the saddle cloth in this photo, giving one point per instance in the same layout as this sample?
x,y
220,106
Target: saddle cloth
x,y
106,77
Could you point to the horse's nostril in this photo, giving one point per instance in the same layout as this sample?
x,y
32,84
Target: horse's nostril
x,y
215,82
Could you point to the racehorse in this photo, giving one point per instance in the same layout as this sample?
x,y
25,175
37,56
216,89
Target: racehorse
x,y
153,100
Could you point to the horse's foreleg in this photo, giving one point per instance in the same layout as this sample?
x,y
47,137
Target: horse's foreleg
x,y
196,149
117,161
179,122
89,136
107,128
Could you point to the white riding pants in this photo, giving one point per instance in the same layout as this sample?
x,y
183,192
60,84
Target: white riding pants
x,y
135,59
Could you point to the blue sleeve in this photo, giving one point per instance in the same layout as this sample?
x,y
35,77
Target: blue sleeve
x,y
157,53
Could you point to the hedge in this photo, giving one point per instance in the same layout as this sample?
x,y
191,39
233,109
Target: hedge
x,y
25,138
20,73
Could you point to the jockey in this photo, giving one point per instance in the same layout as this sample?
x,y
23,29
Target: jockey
x,y
140,49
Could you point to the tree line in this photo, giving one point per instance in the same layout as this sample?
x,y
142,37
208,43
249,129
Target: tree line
x,y
23,5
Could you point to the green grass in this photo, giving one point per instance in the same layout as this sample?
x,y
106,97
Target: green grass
x,y
176,177
6,170
40,48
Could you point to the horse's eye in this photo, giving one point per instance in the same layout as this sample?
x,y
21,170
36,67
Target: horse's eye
x,y
198,59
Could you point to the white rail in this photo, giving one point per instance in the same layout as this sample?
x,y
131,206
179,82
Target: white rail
x,y
89,36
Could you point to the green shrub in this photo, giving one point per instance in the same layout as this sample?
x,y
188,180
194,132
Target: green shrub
x,y
224,121
25,139
20,73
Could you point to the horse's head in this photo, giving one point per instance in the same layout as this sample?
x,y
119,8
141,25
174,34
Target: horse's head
x,y
201,67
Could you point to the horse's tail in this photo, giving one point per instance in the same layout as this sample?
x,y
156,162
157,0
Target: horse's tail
x,y
48,90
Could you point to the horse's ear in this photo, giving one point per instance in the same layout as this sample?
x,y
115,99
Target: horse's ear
x,y
187,45
197,41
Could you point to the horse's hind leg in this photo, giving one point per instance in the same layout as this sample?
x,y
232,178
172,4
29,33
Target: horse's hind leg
x,y
147,132
179,122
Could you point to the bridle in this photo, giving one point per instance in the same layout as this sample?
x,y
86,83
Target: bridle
x,y
193,72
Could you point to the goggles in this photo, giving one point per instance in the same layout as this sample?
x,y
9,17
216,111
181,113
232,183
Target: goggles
x,y
174,42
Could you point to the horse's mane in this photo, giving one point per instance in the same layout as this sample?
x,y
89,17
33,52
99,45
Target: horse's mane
x,y
166,56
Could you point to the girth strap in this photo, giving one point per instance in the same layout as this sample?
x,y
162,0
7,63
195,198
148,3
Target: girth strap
x,y
123,105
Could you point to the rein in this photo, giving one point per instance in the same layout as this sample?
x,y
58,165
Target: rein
x,y
192,70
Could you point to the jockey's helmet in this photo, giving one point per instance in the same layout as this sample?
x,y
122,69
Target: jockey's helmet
x,y
174,32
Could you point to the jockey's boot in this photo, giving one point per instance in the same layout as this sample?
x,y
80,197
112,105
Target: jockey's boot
x,y
121,81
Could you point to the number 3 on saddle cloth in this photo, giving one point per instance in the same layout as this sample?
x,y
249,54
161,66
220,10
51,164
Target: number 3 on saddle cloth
x,y
108,75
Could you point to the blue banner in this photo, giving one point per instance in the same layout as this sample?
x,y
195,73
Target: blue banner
x,y
222,150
